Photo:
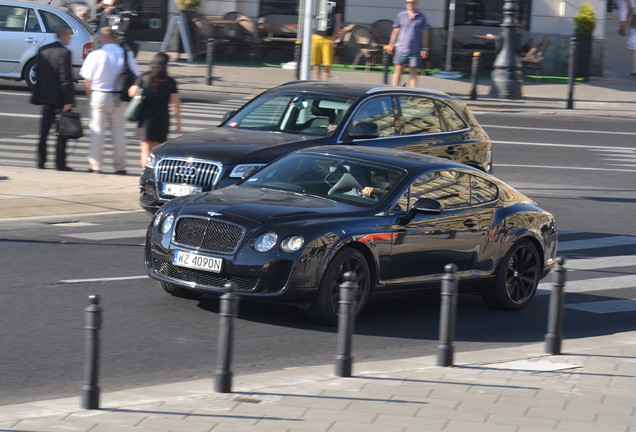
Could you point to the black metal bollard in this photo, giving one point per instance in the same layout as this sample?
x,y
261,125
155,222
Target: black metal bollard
x,y
229,309
348,290
554,336
90,389
385,65
209,53
447,316
297,51
474,75
571,76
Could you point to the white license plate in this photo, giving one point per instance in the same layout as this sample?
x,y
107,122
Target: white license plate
x,y
180,190
198,262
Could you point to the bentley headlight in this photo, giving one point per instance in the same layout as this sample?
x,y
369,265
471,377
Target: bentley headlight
x,y
240,170
292,244
167,224
265,242
157,218
150,162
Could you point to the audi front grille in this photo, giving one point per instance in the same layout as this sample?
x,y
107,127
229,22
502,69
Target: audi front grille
x,y
186,172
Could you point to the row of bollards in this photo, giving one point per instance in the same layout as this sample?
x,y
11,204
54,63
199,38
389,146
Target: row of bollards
x,y
346,319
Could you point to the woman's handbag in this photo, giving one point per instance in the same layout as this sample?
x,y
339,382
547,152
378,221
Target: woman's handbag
x,y
69,125
136,105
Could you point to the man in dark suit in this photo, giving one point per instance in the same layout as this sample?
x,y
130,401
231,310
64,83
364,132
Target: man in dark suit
x,y
54,91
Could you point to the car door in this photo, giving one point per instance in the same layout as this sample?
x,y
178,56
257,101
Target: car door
x,y
426,244
21,37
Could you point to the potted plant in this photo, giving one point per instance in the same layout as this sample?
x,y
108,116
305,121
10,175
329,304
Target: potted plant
x,y
188,4
584,25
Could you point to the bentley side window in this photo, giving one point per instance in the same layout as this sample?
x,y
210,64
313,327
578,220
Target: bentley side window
x,y
450,188
482,190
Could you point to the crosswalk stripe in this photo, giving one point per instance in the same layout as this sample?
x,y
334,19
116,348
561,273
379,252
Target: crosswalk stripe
x,y
595,284
595,243
601,262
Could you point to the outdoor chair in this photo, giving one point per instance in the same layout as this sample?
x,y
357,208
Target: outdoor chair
x,y
534,57
382,30
366,45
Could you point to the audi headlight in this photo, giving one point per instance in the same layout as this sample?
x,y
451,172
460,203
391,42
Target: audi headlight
x,y
265,242
167,223
243,169
151,161
292,244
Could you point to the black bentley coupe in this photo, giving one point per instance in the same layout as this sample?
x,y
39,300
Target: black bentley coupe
x,y
290,231
305,114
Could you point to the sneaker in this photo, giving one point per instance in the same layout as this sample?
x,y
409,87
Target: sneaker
x,y
92,171
121,172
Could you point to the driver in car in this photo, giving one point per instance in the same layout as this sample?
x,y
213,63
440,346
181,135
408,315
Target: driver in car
x,y
369,191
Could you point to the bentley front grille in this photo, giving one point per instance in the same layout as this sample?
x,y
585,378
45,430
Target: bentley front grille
x,y
204,278
186,172
207,234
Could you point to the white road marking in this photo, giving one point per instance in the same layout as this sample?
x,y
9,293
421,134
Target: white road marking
x,y
109,279
532,128
596,243
107,235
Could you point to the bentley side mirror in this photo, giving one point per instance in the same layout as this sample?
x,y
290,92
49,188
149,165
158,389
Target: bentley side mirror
x,y
364,130
424,206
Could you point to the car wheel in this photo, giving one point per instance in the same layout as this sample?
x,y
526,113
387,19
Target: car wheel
x,y
29,74
180,292
324,308
517,278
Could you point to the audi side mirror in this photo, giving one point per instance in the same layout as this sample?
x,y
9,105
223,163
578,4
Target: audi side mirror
x,y
227,115
364,130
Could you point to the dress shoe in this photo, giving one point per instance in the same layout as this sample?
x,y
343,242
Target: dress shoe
x,y
65,168
121,172
92,171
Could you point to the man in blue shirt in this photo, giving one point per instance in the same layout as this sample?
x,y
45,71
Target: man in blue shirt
x,y
409,42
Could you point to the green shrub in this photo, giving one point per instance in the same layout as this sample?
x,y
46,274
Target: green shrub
x,y
584,20
188,4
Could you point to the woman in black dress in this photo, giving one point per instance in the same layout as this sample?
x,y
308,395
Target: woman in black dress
x,y
160,91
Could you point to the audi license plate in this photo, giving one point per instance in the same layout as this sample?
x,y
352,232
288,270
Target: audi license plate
x,y
180,190
198,262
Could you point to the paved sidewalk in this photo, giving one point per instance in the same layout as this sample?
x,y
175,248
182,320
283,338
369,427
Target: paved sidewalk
x,y
518,389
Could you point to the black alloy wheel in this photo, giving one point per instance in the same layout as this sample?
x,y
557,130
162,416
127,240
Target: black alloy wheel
x,y
517,278
325,307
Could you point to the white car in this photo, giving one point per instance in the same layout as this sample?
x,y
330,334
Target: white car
x,y
27,26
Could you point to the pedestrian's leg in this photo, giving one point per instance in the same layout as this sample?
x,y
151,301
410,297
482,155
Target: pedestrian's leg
x,y
97,125
412,76
317,72
118,127
146,148
634,62
48,115
399,68
325,76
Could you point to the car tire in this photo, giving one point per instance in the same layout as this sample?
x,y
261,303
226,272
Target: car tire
x,y
517,278
29,74
180,292
324,309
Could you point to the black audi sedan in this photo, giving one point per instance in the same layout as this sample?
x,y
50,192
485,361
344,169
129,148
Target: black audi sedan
x,y
303,114
290,231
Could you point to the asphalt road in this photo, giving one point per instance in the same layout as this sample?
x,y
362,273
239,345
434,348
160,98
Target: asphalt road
x,y
50,266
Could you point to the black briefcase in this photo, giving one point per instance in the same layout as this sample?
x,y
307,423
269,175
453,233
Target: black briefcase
x,y
69,125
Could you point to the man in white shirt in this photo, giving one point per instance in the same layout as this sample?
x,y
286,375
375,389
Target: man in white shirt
x,y
101,71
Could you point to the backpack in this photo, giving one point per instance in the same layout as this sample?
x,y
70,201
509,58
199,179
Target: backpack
x,y
126,80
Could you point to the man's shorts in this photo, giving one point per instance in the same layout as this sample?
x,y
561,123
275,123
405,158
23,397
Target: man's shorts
x,y
401,58
321,50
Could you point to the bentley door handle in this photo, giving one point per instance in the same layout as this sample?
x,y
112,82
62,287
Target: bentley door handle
x,y
470,223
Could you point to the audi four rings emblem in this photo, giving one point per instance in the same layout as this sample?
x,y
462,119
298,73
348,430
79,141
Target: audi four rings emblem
x,y
186,171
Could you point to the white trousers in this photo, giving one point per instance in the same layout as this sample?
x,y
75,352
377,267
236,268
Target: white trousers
x,y
107,111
